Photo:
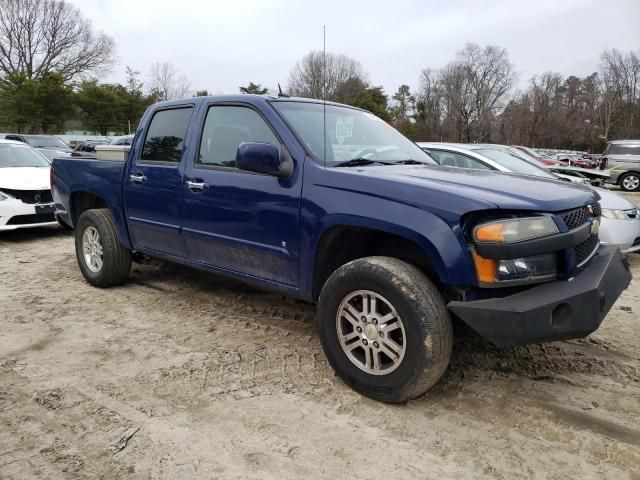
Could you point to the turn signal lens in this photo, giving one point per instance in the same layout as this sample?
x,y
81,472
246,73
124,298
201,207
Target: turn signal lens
x,y
486,268
492,232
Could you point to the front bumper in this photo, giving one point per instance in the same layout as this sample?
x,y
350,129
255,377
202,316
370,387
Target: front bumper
x,y
557,310
15,214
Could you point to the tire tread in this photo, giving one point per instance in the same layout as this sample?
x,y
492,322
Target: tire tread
x,y
116,258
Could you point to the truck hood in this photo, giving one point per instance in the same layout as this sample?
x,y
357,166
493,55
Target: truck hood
x,y
24,178
504,190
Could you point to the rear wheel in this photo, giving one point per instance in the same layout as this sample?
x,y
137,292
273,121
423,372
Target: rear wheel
x,y
104,262
630,182
384,328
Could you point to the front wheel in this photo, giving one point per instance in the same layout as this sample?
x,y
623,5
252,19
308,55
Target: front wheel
x,y
630,182
384,328
104,262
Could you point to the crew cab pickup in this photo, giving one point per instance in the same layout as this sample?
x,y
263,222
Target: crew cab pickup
x,y
330,204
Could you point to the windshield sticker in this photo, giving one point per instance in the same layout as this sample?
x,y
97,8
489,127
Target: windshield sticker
x,y
344,128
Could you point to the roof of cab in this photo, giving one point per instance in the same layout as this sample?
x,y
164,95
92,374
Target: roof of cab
x,y
246,98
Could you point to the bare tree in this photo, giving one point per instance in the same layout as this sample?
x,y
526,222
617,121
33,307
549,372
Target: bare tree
x,y
41,36
469,100
488,77
429,108
309,75
622,72
167,83
468,92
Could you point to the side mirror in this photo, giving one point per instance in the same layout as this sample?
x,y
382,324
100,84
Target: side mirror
x,y
264,158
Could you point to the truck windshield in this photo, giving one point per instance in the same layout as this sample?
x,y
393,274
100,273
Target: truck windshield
x,y
12,155
350,135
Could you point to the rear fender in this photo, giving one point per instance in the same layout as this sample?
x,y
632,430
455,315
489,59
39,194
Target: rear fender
x,y
99,187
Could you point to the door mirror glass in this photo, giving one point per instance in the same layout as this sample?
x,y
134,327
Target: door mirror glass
x,y
262,157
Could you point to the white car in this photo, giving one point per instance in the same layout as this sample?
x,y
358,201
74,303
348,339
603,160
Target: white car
x,y
620,220
25,195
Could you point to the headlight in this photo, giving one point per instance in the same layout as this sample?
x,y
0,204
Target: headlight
x,y
514,230
614,214
3,196
517,271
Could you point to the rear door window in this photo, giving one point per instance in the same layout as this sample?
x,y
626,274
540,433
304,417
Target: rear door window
x,y
616,149
165,138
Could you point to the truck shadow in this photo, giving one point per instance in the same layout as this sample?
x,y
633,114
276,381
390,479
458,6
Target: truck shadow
x,y
473,357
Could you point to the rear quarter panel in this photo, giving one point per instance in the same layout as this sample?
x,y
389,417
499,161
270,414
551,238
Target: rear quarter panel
x,y
102,178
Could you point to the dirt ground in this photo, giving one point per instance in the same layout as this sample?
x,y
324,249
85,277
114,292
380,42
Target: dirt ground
x,y
183,375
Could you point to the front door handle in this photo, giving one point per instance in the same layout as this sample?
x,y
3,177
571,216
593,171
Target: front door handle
x,y
137,178
196,185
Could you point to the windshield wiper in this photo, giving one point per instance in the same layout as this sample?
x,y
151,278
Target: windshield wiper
x,y
358,162
410,161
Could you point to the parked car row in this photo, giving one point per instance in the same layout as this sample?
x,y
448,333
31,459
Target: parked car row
x,y
619,165
51,146
47,145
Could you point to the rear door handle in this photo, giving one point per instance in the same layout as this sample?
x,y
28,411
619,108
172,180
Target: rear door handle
x,y
137,178
196,185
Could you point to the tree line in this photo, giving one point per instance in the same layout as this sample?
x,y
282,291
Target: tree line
x,y
474,98
51,60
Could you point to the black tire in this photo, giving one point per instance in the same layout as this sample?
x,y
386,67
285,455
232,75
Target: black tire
x,y
428,333
630,177
116,260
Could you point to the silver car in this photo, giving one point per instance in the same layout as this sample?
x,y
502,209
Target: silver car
x,y
620,221
622,157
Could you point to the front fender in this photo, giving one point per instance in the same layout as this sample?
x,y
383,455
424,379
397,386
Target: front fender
x,y
444,244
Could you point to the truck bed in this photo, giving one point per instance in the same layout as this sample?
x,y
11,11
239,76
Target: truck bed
x,y
101,177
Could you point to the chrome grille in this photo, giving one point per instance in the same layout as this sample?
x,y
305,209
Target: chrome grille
x,y
579,216
575,218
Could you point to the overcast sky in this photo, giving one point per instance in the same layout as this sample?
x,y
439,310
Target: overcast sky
x,y
220,45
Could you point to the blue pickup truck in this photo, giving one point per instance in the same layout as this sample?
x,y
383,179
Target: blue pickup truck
x,y
330,204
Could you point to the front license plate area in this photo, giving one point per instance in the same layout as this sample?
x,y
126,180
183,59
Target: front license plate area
x,y
50,208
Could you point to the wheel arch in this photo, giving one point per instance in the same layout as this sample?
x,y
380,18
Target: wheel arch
x,y
84,199
342,242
